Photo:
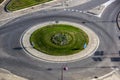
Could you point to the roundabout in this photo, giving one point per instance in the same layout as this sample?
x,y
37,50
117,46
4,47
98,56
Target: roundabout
x,y
19,55
82,42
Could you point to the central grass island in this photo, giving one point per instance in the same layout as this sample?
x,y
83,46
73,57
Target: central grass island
x,y
59,39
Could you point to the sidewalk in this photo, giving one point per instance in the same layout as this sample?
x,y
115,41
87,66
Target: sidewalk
x,y
6,75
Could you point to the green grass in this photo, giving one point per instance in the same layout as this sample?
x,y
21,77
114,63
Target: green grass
x,y
41,39
20,4
1,1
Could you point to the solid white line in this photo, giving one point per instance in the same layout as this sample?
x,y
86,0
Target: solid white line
x,y
109,2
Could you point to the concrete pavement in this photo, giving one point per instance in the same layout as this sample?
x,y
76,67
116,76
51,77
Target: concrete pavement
x,y
6,75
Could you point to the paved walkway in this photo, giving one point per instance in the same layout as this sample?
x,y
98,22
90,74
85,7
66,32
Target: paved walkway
x,y
89,50
6,75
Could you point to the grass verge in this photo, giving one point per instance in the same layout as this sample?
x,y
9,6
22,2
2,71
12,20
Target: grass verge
x,y
20,4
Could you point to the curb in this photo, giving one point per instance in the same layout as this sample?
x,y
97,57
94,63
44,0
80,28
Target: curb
x,y
117,20
2,2
5,8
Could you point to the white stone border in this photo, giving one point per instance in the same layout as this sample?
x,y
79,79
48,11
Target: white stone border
x,y
89,50
2,2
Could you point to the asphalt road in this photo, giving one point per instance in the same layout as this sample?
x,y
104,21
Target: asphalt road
x,y
14,59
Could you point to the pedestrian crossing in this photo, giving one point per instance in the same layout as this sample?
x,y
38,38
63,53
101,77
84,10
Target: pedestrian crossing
x,y
74,10
79,11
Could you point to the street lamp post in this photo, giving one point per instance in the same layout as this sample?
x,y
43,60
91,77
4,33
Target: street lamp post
x,y
62,71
